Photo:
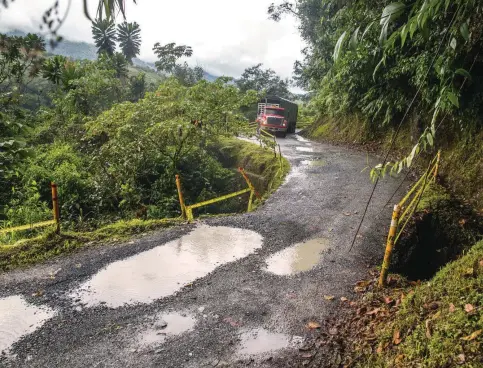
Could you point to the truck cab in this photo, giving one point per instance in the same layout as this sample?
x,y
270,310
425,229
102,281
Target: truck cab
x,y
272,118
277,115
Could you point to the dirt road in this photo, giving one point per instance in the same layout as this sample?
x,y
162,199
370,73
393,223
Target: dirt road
x,y
231,291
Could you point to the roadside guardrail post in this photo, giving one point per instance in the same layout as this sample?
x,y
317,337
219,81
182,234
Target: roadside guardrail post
x,y
436,167
55,207
389,245
181,199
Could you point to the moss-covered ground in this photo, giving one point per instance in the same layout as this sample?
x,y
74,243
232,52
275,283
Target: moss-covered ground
x,y
438,323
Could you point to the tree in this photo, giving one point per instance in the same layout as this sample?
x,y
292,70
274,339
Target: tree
x,y
169,54
20,61
188,76
258,79
104,34
20,58
119,64
129,37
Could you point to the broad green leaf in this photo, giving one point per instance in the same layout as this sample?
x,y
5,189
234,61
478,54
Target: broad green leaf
x,y
378,66
354,41
453,98
463,72
413,28
453,43
404,34
389,14
338,46
367,29
464,31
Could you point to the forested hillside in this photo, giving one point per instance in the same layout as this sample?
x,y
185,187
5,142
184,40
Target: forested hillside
x,y
407,74
111,135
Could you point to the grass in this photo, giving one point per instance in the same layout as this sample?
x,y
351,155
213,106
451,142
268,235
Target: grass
x,y
439,322
266,171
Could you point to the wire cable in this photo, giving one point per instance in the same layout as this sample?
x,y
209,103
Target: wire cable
x,y
396,133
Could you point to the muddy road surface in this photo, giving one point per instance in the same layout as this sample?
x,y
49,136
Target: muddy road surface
x,y
230,291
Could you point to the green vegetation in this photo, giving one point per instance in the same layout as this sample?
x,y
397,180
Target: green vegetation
x,y
373,66
439,323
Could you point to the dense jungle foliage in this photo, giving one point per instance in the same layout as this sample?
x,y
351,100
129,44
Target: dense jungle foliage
x,y
110,141
415,62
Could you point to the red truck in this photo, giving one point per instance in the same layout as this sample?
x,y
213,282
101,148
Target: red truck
x,y
277,115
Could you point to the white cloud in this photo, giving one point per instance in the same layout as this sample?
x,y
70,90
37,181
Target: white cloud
x,y
227,36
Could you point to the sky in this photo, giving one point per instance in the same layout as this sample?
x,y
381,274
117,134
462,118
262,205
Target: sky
x,y
227,36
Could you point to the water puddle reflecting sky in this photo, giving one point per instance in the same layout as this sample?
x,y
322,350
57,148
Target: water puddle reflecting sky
x,y
314,162
298,258
260,341
19,318
163,270
304,149
166,325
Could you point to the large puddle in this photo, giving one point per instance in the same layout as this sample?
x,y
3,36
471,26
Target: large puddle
x,y
19,318
304,149
261,341
298,258
165,326
163,270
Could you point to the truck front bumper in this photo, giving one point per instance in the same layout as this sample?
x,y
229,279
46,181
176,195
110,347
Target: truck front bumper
x,y
274,129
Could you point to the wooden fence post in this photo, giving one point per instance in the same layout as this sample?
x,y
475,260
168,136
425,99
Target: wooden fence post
x,y
55,207
389,245
181,199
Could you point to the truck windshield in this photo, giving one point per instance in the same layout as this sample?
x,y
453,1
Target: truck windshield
x,y
272,111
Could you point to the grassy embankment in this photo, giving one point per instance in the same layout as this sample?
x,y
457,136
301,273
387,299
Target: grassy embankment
x,y
266,171
437,323
461,164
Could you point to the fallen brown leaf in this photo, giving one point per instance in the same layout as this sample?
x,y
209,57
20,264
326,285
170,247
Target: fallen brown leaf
x,y
313,325
374,311
343,299
473,336
399,358
451,307
469,308
363,283
428,329
328,297
307,355
481,263
388,300
396,337
347,213
461,358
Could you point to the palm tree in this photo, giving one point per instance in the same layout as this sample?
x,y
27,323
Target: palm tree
x,y
129,37
104,33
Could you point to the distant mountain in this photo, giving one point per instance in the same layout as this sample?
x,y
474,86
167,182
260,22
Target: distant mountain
x,y
83,50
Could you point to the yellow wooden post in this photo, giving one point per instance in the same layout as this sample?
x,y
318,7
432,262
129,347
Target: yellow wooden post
x,y
55,207
189,214
250,201
436,167
249,183
389,245
181,199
